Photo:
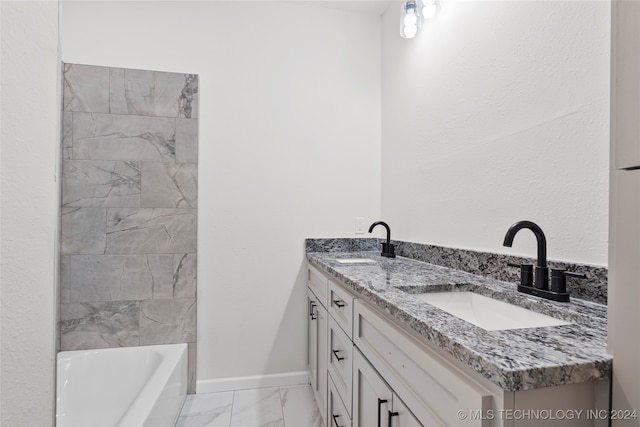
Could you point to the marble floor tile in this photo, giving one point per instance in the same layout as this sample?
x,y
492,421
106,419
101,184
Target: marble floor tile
x,y
257,408
299,407
210,420
207,403
292,406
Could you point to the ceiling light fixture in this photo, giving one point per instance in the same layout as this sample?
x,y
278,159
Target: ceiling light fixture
x,y
412,13
410,18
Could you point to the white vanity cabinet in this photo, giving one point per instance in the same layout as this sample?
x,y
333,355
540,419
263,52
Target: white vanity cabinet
x,y
317,342
378,373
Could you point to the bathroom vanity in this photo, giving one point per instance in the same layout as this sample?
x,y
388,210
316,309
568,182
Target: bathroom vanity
x,y
380,355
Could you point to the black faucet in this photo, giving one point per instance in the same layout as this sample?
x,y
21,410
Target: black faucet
x,y
558,290
388,249
542,272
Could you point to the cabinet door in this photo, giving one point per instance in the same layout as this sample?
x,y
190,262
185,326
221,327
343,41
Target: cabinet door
x,y
340,362
337,414
624,295
402,417
372,398
374,404
323,359
312,340
625,90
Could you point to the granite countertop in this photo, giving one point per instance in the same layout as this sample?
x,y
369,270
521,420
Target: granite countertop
x,y
516,359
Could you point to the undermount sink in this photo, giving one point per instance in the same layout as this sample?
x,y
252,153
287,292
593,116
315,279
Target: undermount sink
x,y
488,313
354,260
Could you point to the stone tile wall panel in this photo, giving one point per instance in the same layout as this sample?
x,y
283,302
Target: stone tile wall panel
x,y
129,144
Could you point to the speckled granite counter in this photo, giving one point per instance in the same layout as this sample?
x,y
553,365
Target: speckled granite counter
x,y
517,359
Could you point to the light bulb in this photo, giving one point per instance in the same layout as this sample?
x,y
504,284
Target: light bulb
x,y
409,31
430,9
410,18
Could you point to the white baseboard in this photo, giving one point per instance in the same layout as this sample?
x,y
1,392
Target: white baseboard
x,y
255,381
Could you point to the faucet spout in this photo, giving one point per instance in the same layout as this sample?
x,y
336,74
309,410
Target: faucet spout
x,y
542,273
385,225
537,231
388,249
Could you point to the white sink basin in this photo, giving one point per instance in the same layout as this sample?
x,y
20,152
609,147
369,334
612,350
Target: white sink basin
x,y
354,260
488,313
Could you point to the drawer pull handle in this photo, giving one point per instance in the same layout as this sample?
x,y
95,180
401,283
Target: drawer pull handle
x,y
336,421
312,305
339,303
380,402
391,415
335,353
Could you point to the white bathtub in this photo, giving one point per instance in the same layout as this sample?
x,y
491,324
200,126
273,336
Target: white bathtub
x,y
123,387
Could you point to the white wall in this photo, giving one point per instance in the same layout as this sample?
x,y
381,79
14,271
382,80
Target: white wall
x,y
290,145
498,112
30,137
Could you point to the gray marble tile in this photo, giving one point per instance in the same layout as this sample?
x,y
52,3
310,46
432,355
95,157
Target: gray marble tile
x,y
186,140
131,231
99,325
182,282
258,407
67,135
210,420
117,277
184,275
169,185
122,137
207,403
95,183
86,88
65,263
83,231
167,321
154,93
117,98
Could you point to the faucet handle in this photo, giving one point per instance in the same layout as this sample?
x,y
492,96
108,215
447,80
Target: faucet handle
x,y
559,279
526,273
388,250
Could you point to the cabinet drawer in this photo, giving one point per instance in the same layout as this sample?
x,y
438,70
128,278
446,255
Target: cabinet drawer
x,y
341,307
340,362
318,284
337,414
430,386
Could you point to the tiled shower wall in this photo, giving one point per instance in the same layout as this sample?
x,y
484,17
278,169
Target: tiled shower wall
x,y
129,209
